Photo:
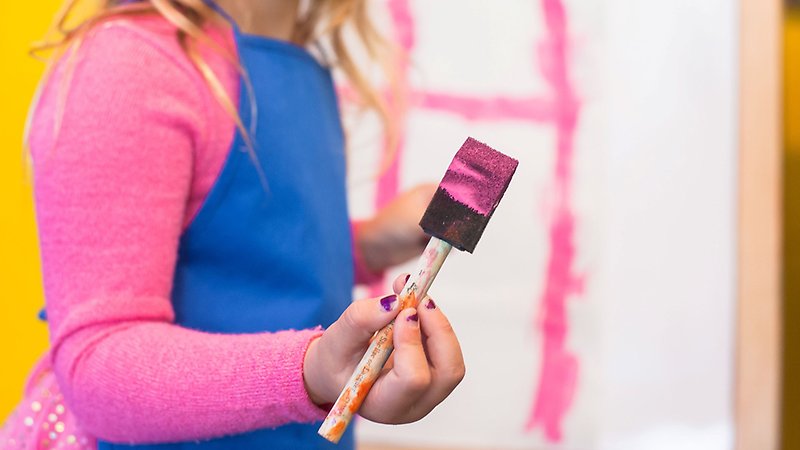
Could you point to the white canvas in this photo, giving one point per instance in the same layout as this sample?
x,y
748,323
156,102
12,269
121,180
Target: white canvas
x,y
647,186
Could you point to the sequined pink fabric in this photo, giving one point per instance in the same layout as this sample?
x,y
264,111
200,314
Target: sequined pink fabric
x,y
42,421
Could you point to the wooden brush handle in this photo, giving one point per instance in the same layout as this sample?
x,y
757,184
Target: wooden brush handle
x,y
370,366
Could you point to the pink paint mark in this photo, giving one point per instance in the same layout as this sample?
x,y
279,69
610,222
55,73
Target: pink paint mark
x,y
493,108
496,109
403,23
389,182
559,368
478,176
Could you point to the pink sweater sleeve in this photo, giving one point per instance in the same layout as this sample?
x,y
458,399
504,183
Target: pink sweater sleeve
x,y
363,274
114,189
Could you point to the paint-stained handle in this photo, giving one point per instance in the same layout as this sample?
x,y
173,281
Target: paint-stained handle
x,y
381,347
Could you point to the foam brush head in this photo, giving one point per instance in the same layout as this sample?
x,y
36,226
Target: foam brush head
x,y
468,195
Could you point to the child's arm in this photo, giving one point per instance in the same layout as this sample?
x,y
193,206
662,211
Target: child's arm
x,y
364,274
392,236
111,195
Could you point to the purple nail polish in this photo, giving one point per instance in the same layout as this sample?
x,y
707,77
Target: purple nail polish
x,y
412,318
388,302
430,304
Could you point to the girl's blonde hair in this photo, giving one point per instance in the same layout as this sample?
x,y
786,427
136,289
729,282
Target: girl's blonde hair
x,y
327,20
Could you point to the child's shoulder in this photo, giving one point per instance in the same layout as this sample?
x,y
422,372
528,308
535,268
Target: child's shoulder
x,y
138,54
133,65
124,38
126,69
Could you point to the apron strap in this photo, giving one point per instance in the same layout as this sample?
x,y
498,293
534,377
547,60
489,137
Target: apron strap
x,y
213,5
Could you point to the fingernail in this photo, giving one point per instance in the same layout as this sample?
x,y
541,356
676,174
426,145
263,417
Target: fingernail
x,y
407,277
413,318
430,304
388,302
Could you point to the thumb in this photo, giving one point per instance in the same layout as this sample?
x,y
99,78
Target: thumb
x,y
359,322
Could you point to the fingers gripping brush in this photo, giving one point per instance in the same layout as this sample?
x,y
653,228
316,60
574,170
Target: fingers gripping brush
x,y
456,217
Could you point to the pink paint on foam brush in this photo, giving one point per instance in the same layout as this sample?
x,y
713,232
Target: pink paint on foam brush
x,y
479,176
468,195
471,165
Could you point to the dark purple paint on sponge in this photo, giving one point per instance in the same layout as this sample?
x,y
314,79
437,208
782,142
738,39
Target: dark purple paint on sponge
x,y
468,195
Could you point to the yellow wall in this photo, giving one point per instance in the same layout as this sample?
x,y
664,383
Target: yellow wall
x,y
791,360
792,80
22,337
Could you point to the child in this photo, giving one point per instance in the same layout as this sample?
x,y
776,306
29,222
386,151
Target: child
x,y
187,265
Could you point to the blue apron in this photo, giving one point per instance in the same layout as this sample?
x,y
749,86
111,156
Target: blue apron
x,y
266,258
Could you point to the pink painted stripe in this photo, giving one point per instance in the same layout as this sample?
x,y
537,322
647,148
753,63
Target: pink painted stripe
x,y
493,108
499,108
403,23
389,182
559,368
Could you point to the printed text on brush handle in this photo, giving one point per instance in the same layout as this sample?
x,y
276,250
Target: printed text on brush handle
x,y
382,346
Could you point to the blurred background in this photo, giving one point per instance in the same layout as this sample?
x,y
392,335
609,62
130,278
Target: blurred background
x,y
652,329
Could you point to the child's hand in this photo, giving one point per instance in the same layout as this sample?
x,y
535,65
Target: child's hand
x,y
393,235
424,368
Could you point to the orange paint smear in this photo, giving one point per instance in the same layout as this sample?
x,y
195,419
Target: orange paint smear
x,y
337,430
363,390
410,301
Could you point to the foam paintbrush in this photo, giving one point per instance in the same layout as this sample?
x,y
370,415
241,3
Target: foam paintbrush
x,y
460,209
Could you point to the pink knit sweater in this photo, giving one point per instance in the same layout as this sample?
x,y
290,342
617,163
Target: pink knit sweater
x,y
140,141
